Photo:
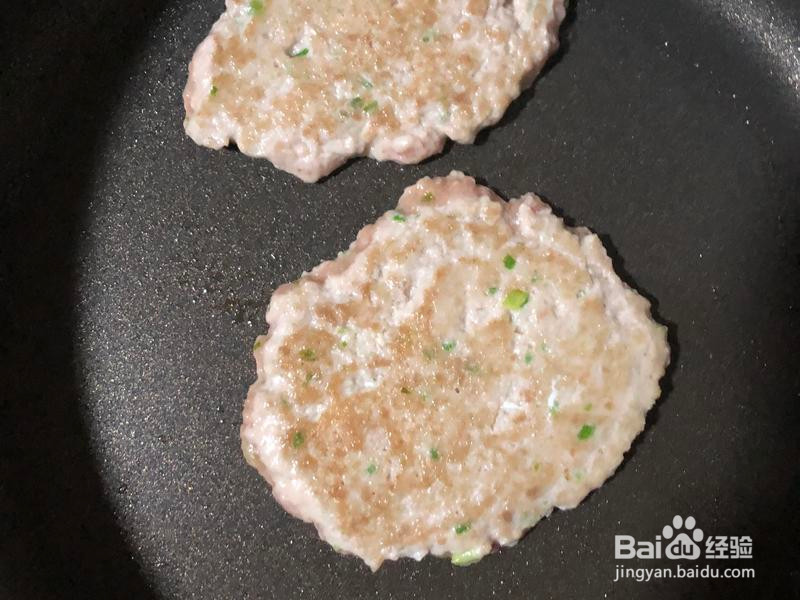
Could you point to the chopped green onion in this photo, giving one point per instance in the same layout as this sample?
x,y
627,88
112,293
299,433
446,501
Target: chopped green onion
x,y
256,6
366,83
213,91
464,559
516,299
491,291
299,53
588,407
434,454
370,106
528,358
343,344
405,390
509,261
357,102
399,218
586,432
298,439
372,468
448,346
428,197
308,354
462,528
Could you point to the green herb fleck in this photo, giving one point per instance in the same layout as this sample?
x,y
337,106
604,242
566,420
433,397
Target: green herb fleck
x,y
399,218
586,432
370,106
298,439
528,358
444,113
554,408
256,6
308,354
213,91
491,291
309,377
428,197
342,332
372,468
462,528
578,474
509,261
434,454
545,348
448,346
536,277
516,299
258,343
405,390
299,53
537,466
464,559
428,35
588,407
473,368
357,102
366,83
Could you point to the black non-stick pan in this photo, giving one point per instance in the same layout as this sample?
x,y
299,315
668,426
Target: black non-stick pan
x,y
136,269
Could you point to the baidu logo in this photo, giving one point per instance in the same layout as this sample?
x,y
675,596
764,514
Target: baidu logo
x,y
683,540
686,543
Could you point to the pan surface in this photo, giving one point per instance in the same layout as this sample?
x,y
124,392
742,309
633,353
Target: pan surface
x,y
137,268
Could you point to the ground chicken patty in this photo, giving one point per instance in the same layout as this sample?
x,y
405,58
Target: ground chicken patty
x,y
310,84
467,365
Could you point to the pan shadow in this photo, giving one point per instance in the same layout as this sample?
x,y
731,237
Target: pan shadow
x,y
59,537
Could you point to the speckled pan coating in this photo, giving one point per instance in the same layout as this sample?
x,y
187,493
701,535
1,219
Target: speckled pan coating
x,y
467,365
310,84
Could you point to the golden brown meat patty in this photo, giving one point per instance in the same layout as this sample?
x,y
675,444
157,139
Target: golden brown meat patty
x,y
467,365
308,84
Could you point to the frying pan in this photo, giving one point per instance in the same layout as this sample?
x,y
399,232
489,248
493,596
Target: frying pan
x,y
137,267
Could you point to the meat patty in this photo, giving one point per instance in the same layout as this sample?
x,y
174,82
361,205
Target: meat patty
x,y
467,365
310,84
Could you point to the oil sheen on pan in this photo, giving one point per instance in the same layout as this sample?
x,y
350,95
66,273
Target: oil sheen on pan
x,y
309,85
465,367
